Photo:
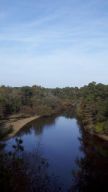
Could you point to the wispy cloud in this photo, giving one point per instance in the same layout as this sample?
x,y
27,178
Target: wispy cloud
x,y
65,37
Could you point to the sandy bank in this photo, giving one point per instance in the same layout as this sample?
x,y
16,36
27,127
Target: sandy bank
x,y
102,137
19,124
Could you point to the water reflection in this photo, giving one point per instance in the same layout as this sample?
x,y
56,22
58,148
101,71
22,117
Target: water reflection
x,y
20,171
92,172
70,159
38,125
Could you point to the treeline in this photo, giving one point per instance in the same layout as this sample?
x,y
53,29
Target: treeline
x,y
93,107
27,100
35,100
90,103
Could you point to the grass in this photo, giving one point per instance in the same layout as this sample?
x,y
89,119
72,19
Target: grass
x,y
99,128
102,127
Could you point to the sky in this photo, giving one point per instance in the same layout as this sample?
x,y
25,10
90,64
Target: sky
x,y
53,43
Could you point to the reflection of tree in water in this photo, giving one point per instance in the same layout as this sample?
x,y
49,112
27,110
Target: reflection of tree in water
x,y
38,125
69,114
12,175
92,173
41,123
24,172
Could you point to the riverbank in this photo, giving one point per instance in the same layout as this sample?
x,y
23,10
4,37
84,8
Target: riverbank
x,y
14,123
17,124
102,137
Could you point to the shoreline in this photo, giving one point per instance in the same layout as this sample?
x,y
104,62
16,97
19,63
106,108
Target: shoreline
x,y
102,137
19,124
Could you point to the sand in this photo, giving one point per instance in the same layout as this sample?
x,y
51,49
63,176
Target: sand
x,y
18,124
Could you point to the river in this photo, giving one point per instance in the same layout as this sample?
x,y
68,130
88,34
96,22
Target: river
x,y
58,156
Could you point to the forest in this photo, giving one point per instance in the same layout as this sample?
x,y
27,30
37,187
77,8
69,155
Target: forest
x,y
89,103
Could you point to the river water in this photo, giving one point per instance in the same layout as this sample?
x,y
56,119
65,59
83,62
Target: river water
x,y
56,151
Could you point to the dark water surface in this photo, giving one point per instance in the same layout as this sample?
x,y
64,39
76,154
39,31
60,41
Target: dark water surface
x,y
56,151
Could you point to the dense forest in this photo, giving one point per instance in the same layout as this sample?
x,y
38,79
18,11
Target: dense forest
x,y
89,103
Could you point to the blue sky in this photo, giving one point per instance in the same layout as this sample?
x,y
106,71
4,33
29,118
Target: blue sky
x,y
53,43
